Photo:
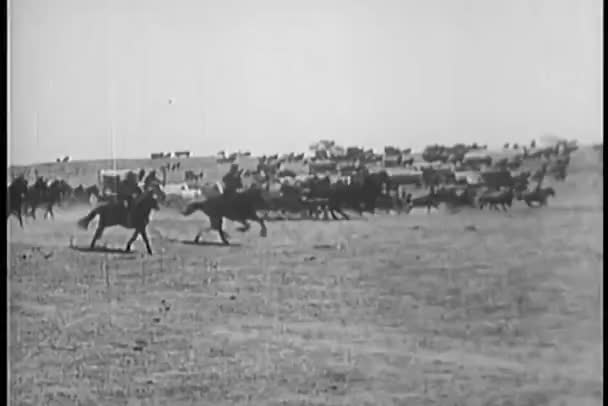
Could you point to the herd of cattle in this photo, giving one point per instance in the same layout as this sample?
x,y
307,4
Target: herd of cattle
x,y
364,189
448,177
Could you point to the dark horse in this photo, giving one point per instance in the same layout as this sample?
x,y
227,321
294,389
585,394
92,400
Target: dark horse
x,y
236,206
432,199
453,199
361,196
46,196
83,195
115,214
15,196
495,198
539,196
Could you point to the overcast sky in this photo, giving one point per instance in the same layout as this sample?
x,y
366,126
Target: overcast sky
x,y
276,75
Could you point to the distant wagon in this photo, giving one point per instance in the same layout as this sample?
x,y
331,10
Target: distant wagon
x,y
404,176
392,161
347,168
182,190
324,166
182,154
109,179
468,177
477,158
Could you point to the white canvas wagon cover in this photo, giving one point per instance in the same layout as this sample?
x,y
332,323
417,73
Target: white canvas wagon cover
x,y
109,178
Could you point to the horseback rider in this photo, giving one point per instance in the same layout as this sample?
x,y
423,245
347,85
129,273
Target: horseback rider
x,y
361,172
542,173
232,180
150,179
128,191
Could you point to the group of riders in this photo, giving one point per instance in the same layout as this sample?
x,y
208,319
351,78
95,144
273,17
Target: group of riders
x,y
128,189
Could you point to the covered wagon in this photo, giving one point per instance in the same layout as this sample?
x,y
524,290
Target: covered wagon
x,y
322,167
405,176
468,177
477,158
109,179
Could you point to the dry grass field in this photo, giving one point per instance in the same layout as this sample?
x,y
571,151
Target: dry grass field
x,y
474,308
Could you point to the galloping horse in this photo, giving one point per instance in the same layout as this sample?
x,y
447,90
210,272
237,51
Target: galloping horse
x,y
15,196
115,214
495,198
538,195
46,196
83,195
429,200
239,206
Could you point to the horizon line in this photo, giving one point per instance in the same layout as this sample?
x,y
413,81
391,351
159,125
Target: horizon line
x,y
255,155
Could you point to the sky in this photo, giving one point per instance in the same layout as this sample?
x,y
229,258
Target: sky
x,y
277,75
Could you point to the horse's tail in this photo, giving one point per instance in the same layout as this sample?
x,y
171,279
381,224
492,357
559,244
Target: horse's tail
x,y
192,207
84,222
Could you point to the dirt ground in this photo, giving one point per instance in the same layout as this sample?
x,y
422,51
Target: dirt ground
x,y
473,308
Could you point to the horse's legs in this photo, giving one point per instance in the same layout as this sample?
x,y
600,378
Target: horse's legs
x,y
197,237
337,208
254,216
50,210
131,240
263,231
223,236
325,210
97,236
245,227
216,223
144,235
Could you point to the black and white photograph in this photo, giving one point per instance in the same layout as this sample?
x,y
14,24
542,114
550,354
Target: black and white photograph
x,y
305,202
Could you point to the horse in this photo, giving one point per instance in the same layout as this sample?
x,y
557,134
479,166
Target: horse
x,y
15,195
238,206
361,195
116,214
428,201
287,199
453,199
538,195
83,195
495,198
40,194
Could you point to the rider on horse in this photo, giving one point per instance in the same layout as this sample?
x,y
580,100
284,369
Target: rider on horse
x,y
360,174
150,179
128,191
541,175
232,180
